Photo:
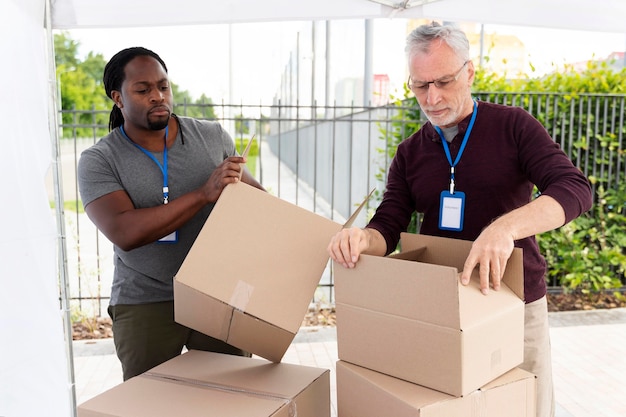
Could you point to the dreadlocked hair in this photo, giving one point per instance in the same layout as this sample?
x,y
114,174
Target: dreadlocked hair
x,y
114,76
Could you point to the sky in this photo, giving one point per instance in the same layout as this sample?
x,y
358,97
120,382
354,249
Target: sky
x,y
199,57
557,46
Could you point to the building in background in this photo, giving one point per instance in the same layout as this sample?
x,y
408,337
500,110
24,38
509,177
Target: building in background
x,y
327,65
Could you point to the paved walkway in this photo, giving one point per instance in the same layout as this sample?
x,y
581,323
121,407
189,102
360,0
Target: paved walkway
x,y
588,348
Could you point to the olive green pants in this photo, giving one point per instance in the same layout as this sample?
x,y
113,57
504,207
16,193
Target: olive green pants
x,y
146,335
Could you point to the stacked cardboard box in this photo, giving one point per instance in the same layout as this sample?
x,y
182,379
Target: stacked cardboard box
x,y
252,272
362,392
407,316
204,383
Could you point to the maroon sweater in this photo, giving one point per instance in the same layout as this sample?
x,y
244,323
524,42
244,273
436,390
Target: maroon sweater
x,y
507,152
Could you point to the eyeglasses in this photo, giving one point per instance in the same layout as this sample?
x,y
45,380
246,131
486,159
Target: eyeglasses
x,y
419,87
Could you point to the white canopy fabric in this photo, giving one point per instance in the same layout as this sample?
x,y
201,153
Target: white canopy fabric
x,y
35,368
596,15
33,362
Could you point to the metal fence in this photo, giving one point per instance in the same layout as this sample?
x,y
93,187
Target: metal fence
x,y
325,159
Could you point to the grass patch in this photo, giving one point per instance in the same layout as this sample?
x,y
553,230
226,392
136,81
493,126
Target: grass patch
x,y
251,164
70,205
253,154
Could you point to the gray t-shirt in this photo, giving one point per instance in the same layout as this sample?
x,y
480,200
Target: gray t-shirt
x,y
145,274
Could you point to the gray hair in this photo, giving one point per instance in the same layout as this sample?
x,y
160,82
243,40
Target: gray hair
x,y
421,38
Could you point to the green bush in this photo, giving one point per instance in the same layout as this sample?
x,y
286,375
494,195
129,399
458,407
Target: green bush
x,y
587,254
242,143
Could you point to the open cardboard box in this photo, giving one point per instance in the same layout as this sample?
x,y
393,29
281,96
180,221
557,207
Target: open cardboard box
x,y
199,383
251,274
365,393
409,316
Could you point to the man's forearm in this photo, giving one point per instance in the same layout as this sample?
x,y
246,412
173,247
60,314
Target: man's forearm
x,y
540,215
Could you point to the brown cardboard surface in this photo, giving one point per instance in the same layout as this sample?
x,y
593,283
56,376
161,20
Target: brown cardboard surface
x,y
211,384
455,257
257,256
365,393
409,318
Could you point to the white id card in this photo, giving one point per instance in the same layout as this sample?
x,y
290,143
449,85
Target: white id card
x,y
171,238
451,208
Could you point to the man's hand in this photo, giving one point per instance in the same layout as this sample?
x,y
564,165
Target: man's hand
x,y
228,172
493,248
346,246
491,251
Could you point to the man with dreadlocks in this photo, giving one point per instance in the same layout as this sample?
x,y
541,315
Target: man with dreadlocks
x,y
149,186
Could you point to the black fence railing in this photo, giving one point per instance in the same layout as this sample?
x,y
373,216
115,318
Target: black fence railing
x,y
326,159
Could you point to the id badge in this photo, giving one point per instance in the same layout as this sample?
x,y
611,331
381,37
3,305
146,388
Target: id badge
x,y
451,209
171,238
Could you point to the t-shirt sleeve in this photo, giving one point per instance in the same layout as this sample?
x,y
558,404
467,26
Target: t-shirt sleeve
x,y
95,176
212,130
227,142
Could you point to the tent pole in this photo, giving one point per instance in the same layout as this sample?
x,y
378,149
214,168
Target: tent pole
x,y
368,73
53,124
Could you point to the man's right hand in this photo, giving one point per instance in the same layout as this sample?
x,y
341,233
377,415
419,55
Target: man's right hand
x,y
228,172
346,246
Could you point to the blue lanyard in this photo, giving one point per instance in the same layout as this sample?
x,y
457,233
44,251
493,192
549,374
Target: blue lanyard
x,y
446,148
163,167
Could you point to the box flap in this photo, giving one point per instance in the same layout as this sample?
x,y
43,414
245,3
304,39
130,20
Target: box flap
x,y
403,288
258,336
354,215
260,254
167,399
411,255
247,374
201,312
510,377
453,252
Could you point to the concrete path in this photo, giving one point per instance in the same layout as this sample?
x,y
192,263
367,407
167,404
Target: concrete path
x,y
588,351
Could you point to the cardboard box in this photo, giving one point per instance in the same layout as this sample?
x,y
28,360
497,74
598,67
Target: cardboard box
x,y
409,316
251,274
365,393
211,384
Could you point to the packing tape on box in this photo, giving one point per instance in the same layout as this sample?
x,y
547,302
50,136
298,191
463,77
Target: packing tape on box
x,y
289,402
479,404
241,295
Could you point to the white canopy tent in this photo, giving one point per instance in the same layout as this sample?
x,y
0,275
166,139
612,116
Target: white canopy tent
x,y
36,373
598,15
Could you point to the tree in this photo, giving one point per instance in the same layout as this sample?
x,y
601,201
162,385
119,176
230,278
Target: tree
x,y
241,124
184,105
65,51
81,88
